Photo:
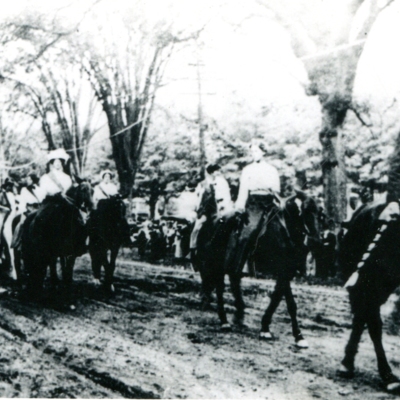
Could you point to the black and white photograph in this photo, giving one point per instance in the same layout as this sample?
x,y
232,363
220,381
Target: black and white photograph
x,y
200,199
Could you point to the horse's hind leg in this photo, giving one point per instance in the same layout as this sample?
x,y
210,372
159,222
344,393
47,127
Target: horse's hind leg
x,y
67,264
220,287
374,324
347,368
292,310
235,280
276,298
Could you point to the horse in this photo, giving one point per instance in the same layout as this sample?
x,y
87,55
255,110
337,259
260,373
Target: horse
x,y
280,248
108,230
55,230
368,259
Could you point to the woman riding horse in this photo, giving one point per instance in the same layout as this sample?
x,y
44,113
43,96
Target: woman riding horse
x,y
107,228
28,202
105,189
57,228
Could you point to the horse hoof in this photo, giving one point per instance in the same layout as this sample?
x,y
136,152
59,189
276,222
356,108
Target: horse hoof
x,y
266,336
238,321
96,282
393,387
302,344
225,327
345,372
392,384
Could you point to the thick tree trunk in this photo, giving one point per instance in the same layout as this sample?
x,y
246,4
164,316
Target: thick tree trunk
x,y
126,165
394,173
333,168
332,79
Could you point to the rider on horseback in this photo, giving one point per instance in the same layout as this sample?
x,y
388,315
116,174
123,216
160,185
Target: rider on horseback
x,y
257,198
28,202
105,189
29,195
52,191
214,200
55,180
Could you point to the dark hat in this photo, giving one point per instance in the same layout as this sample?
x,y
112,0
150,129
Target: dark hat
x,y
8,183
211,168
34,177
107,171
259,144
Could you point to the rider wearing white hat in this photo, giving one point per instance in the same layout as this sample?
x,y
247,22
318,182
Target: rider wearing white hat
x,y
258,178
55,180
258,195
105,189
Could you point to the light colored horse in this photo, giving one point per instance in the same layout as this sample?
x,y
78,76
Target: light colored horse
x,y
8,211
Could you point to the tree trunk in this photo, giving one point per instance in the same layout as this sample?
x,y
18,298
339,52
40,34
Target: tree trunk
x,y
332,79
333,168
126,165
394,173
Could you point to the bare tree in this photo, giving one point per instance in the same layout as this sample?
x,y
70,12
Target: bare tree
x,y
125,63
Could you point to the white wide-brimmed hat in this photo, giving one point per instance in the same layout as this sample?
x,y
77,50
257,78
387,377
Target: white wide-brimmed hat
x,y
57,154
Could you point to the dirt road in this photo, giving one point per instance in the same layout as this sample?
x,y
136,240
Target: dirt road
x,y
152,340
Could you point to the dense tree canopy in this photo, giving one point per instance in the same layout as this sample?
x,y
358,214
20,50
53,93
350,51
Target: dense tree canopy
x,y
131,86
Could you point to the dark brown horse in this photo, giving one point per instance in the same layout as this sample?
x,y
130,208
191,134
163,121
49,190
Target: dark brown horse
x,y
369,254
108,230
280,249
55,231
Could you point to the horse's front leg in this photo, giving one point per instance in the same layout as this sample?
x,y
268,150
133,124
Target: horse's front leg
x,y
292,310
53,273
374,323
36,273
97,259
67,264
109,267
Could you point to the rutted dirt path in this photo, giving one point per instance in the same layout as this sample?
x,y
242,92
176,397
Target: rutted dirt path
x,y
151,340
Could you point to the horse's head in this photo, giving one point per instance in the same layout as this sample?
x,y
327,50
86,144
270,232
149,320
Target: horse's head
x,y
81,193
308,215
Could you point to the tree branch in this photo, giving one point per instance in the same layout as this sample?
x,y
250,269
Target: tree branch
x,y
358,115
